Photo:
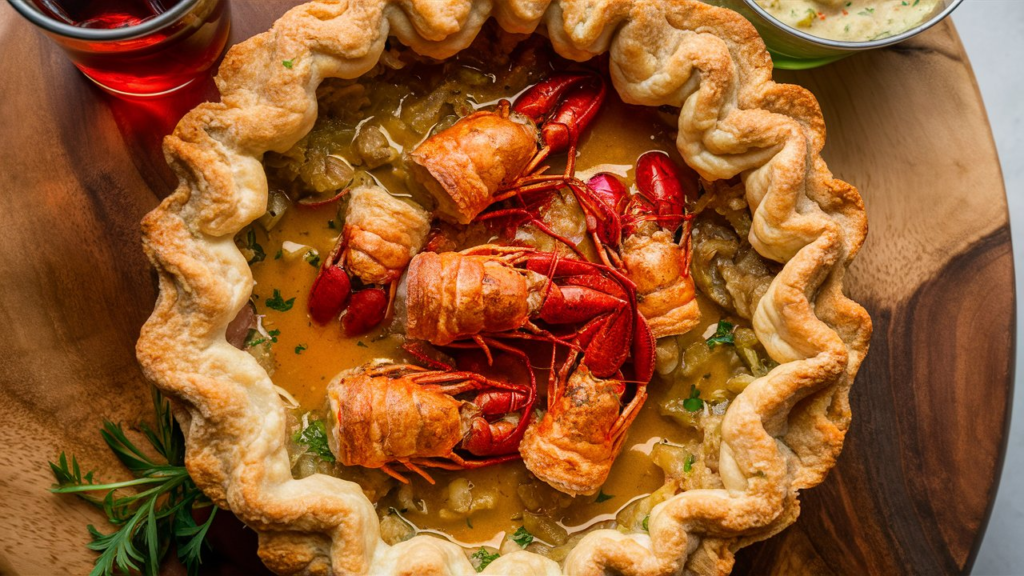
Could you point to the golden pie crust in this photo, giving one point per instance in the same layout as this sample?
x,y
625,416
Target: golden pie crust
x,y
780,435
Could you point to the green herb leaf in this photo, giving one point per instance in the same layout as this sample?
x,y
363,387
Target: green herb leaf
x,y
315,437
469,523
288,63
313,258
279,255
522,537
693,403
258,255
361,344
602,497
274,333
155,514
723,335
275,302
646,520
688,463
866,12
300,348
481,558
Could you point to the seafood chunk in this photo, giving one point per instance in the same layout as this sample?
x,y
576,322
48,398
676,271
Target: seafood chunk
x,y
665,288
381,235
402,414
452,295
465,165
493,289
573,446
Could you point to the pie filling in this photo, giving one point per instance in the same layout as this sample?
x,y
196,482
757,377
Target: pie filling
x,y
381,139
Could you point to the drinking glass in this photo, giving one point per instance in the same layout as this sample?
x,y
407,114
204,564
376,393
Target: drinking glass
x,y
135,48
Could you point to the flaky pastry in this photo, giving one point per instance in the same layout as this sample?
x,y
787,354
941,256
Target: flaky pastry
x,y
780,435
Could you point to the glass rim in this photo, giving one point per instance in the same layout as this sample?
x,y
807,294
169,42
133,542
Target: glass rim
x,y
848,46
33,14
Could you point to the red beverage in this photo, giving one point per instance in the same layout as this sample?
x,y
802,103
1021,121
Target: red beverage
x,y
136,47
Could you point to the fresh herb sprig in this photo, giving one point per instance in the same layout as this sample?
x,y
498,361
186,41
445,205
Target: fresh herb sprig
x,y
156,514
723,335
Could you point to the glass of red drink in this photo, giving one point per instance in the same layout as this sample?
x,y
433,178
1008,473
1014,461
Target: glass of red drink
x,y
135,48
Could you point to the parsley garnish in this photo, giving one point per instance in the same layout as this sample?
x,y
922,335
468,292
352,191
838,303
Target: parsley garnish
x,y
149,520
688,463
866,12
258,255
279,254
288,63
315,437
522,537
646,520
313,258
300,348
723,334
361,345
273,335
481,558
275,302
916,2
469,523
693,403
602,497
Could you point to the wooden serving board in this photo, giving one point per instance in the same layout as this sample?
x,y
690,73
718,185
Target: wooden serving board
x,y
913,488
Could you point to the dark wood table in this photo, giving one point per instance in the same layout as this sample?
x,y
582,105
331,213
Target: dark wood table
x,y
913,489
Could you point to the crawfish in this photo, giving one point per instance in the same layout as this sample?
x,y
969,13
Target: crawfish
x,y
489,157
388,414
641,239
490,290
380,236
572,447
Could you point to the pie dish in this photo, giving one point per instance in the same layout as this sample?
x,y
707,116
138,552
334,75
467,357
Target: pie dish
x,y
781,434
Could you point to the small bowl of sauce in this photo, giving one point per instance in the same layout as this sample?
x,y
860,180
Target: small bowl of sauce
x,y
803,34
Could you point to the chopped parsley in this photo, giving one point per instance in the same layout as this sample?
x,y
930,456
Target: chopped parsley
x,y
279,254
469,523
315,437
288,63
258,255
275,302
866,12
361,344
522,537
688,463
273,335
313,258
722,335
693,403
602,497
646,520
300,348
482,558
916,2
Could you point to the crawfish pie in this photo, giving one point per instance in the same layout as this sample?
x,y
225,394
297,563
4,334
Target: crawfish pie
x,y
516,308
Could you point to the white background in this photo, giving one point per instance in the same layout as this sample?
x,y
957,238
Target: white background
x,y
993,33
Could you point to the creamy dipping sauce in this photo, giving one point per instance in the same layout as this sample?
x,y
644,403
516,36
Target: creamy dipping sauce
x,y
852,20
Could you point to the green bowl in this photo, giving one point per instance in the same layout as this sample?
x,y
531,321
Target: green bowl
x,y
793,49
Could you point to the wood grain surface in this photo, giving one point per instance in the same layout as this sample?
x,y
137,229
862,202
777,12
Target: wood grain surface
x,y
913,488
